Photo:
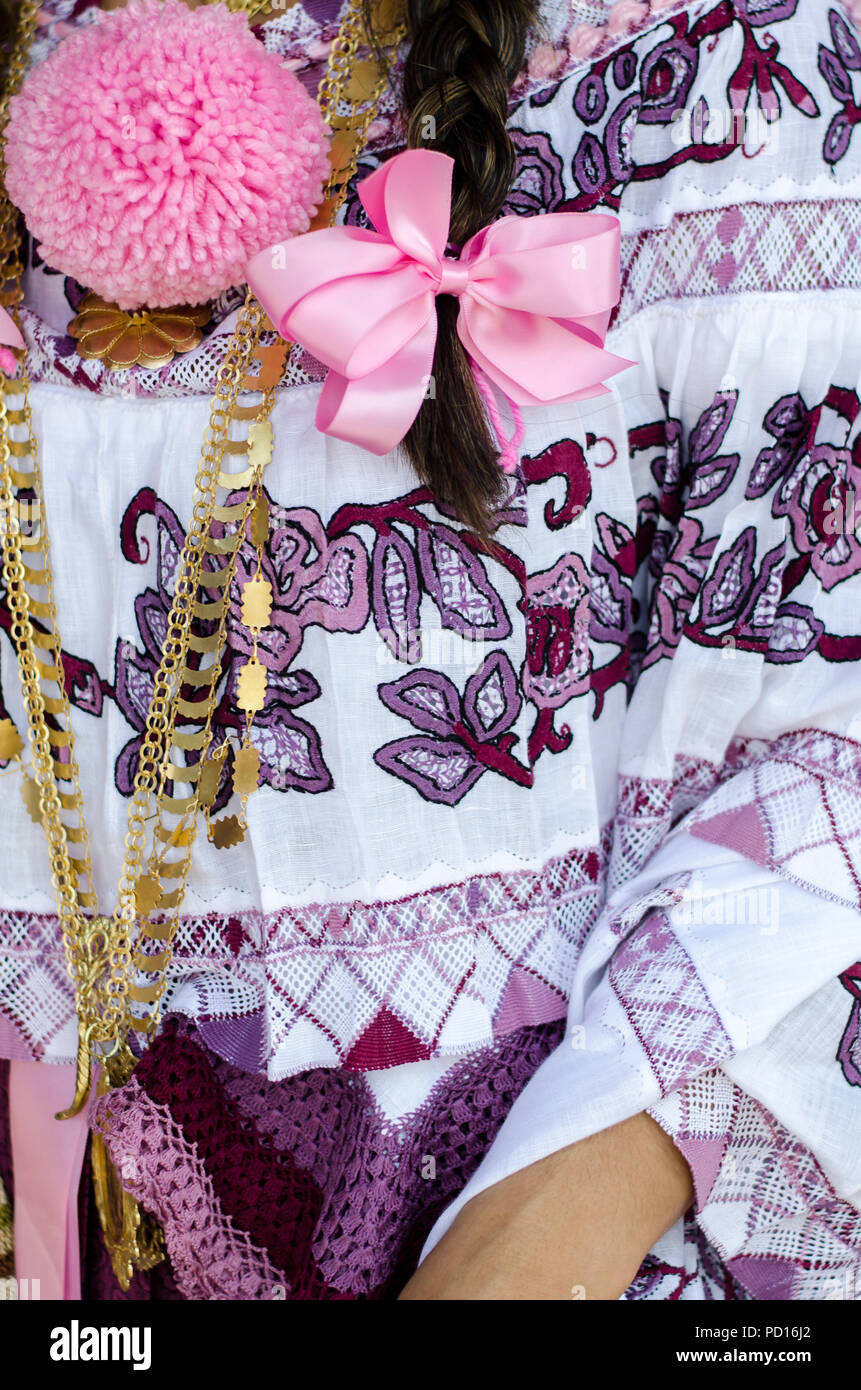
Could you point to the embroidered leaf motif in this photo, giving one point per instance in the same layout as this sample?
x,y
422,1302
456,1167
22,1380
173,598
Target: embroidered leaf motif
x,y
428,699
724,593
396,596
10,740
441,770
227,831
459,585
246,770
251,689
257,603
290,751
210,777
491,701
260,521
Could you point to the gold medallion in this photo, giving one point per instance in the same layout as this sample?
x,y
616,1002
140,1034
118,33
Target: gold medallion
x,y
10,740
147,894
123,338
260,522
257,603
226,832
246,770
251,695
32,798
210,777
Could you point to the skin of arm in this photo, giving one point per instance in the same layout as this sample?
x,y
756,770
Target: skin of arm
x,y
577,1224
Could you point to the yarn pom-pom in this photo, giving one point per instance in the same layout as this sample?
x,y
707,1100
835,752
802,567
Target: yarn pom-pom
x,y
159,148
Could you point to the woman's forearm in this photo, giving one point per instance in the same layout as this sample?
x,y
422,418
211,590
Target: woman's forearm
x,y
577,1224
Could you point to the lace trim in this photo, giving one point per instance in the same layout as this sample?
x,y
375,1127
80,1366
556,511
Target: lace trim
x,y
365,986
763,1200
750,248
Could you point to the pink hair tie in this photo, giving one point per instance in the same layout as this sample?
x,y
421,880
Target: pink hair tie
x,y
509,449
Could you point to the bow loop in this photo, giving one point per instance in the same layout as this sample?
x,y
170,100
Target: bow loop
x,y
535,298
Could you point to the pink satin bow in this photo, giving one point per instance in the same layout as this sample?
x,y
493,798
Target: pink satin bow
x,y
535,299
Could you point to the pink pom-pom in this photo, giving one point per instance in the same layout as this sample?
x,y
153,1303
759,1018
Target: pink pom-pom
x,y
160,148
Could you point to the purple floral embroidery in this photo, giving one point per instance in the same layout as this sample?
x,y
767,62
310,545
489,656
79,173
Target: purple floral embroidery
x,y
818,495
624,68
396,595
711,472
794,634
667,465
590,98
759,71
849,1054
457,581
666,78
461,738
537,185
314,581
836,67
758,614
291,757
611,618
790,423
849,1051
724,593
703,474
677,588
556,605
748,605
620,136
612,570
590,167
761,12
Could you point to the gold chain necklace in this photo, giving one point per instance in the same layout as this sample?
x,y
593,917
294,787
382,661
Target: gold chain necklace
x,y
105,957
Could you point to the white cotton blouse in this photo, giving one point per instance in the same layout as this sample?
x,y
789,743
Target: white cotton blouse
x,y
436,838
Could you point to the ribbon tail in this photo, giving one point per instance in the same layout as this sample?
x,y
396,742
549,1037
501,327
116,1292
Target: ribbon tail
x,y
10,333
376,411
586,365
47,1159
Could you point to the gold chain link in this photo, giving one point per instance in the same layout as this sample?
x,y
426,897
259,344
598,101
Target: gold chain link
x,y
99,952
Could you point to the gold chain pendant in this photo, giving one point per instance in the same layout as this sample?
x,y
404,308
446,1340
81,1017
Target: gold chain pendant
x,y
101,957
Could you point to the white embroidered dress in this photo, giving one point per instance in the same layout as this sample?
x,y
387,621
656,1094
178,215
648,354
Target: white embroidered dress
x,y
616,778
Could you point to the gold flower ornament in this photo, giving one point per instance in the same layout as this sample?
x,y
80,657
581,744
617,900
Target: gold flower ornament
x,y
123,338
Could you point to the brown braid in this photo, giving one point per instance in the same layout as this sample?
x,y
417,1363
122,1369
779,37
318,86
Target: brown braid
x,y
463,58
8,25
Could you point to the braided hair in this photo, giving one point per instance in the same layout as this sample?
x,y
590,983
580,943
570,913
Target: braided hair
x,y
463,58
